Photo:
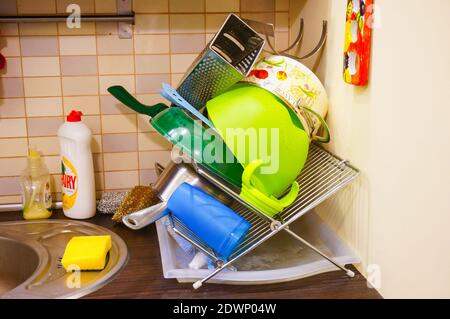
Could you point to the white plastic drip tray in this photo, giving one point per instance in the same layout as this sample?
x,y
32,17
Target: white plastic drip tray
x,y
281,258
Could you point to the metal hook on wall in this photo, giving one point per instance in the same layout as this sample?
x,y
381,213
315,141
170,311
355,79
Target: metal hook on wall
x,y
297,41
268,30
323,39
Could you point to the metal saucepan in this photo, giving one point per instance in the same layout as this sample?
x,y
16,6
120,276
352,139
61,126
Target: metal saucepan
x,y
168,181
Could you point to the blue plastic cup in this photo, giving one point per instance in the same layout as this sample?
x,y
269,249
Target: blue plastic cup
x,y
213,222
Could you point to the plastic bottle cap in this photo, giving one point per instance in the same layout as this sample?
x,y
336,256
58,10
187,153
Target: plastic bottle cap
x,y
34,162
74,116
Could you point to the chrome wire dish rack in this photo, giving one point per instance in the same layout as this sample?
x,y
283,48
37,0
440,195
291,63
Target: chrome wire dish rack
x,y
323,175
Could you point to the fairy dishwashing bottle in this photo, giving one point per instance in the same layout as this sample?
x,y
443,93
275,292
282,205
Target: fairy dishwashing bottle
x,y
77,169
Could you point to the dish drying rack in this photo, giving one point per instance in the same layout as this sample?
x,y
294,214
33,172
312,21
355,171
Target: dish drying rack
x,y
323,175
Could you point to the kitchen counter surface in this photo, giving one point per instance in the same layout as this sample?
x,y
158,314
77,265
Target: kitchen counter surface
x,y
143,276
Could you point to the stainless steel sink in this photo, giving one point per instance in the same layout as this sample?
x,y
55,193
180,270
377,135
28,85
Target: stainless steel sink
x,y
30,255
13,274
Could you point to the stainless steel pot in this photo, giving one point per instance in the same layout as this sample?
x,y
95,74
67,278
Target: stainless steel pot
x,y
168,181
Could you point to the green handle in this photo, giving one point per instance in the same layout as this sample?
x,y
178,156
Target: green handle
x,y
249,171
120,93
270,200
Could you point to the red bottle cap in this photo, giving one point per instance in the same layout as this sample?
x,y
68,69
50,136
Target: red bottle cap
x,y
74,116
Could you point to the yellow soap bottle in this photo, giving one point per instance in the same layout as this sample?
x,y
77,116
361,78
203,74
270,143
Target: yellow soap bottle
x,y
36,190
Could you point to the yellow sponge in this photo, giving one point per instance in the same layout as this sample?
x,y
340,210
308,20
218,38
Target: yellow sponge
x,y
86,253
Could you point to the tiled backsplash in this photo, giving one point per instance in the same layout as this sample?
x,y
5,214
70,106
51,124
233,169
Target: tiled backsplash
x,y
52,69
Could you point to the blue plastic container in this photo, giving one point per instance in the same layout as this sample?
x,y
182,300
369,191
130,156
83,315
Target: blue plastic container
x,y
213,222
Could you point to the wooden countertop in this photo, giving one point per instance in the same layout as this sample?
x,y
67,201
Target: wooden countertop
x,y
143,276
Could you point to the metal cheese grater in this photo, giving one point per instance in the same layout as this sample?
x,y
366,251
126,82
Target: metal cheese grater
x,y
226,60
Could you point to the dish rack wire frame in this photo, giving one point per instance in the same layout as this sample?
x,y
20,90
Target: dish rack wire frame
x,y
323,175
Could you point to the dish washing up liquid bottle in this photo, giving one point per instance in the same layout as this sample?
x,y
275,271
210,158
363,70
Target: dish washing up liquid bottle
x,y
78,184
36,190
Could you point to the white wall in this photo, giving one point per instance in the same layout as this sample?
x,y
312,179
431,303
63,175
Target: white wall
x,y
397,131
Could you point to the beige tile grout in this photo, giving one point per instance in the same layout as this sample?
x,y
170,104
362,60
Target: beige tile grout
x,y
54,174
170,69
119,54
289,24
112,35
204,22
203,12
138,33
60,73
135,90
92,55
23,83
124,170
83,95
99,102
58,116
96,134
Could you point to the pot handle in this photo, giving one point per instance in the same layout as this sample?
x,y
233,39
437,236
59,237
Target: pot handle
x,y
326,137
120,93
146,216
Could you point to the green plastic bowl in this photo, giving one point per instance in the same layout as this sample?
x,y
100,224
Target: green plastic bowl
x,y
246,106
